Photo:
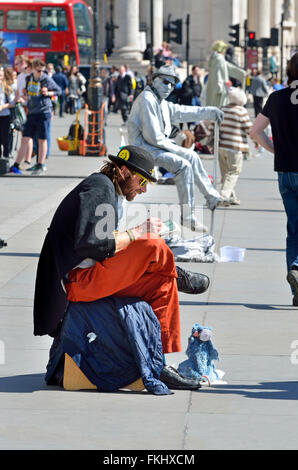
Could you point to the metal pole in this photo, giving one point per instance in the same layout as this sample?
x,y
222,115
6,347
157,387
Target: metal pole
x,y
95,90
152,32
245,44
215,152
281,46
95,31
187,42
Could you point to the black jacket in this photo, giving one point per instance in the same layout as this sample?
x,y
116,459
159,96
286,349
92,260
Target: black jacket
x,y
190,89
123,87
82,227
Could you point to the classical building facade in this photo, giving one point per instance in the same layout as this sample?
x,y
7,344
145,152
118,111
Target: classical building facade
x,y
209,21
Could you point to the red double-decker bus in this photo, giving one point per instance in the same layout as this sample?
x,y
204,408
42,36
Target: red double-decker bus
x,y
57,31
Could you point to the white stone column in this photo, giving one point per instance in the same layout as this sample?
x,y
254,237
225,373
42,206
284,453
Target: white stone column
x,y
127,35
259,17
252,8
158,23
145,10
263,19
276,11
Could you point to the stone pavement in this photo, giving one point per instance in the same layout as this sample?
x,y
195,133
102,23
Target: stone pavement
x,y
248,305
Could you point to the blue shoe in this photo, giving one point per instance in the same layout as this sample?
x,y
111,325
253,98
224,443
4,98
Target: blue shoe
x,y
15,169
168,175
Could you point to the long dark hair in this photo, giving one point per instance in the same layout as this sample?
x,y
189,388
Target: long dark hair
x,y
292,68
112,171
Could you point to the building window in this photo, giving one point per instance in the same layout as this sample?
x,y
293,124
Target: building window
x,y
81,17
25,20
1,19
53,19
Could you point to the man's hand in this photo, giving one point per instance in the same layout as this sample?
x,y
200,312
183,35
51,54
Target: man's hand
x,y
44,91
152,225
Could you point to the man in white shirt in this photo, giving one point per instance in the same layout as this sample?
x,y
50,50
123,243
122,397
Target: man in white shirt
x,y
21,63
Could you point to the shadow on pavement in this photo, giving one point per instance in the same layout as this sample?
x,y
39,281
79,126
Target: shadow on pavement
x,y
29,255
35,382
252,306
23,383
263,390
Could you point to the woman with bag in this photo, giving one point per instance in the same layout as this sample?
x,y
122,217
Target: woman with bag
x,y
6,102
73,90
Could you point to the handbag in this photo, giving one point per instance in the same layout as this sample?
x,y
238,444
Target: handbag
x,y
18,117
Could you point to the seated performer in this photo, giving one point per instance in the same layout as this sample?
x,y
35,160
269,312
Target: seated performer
x,y
149,126
84,258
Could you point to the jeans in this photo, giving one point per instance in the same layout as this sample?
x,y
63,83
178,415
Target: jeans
x,y
288,187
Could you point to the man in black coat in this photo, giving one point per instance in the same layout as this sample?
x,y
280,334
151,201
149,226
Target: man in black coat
x,y
83,253
192,88
123,92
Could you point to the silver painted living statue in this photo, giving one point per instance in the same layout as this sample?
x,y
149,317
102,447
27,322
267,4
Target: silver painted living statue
x,y
149,126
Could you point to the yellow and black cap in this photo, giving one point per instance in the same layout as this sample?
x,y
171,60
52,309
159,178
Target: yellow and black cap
x,y
137,159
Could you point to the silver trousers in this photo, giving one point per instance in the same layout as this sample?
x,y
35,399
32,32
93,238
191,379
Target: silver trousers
x,y
188,171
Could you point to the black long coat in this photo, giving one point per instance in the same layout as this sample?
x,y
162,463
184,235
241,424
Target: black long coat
x,y
79,229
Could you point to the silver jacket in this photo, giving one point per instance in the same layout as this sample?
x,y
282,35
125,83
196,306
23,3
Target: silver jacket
x,y
150,121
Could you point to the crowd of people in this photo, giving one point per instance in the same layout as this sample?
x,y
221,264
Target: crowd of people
x,y
41,89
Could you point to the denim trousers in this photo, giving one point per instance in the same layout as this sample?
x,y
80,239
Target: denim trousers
x,y
288,187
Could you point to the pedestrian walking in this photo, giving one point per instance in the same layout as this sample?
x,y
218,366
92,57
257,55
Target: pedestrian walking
x,y
281,112
123,92
6,103
273,65
61,79
258,89
191,89
22,65
233,143
73,90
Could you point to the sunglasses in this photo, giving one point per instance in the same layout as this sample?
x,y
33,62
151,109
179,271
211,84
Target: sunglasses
x,y
167,82
144,180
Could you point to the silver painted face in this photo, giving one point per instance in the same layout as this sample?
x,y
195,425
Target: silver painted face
x,y
164,85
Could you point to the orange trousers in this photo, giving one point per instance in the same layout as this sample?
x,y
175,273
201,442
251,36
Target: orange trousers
x,y
145,269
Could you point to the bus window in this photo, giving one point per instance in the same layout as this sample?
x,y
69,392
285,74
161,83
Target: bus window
x,y
1,19
53,19
22,19
81,17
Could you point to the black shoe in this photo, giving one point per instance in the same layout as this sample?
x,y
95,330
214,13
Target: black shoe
x,y
174,380
292,279
191,283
